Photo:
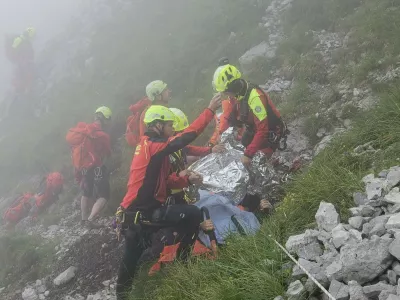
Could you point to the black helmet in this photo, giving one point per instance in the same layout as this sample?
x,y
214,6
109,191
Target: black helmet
x,y
223,61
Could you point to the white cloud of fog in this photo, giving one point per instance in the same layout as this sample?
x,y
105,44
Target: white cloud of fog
x,y
49,17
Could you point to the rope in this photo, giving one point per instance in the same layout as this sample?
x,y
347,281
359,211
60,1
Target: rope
x,y
301,267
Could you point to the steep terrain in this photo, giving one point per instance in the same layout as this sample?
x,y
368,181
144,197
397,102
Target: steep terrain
x,y
327,64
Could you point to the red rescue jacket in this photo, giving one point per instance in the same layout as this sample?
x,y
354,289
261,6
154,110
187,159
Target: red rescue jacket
x,y
150,171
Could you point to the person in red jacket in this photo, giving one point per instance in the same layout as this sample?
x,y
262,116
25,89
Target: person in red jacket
x,y
90,145
148,186
251,107
157,94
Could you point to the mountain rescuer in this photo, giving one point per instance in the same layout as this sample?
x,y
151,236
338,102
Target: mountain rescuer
x,y
179,158
157,94
251,107
90,144
20,52
147,190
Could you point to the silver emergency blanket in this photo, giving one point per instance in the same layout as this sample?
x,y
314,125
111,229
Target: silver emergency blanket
x,y
224,174
222,212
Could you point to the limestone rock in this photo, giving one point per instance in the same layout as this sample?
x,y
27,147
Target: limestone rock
x,y
311,267
356,222
375,187
360,199
376,226
356,291
29,294
396,267
339,236
393,222
296,291
373,291
327,217
65,276
305,245
394,248
393,297
393,196
362,262
339,290
392,276
393,176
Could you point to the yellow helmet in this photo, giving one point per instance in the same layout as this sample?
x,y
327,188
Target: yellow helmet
x,y
31,32
155,88
181,119
160,113
223,76
105,111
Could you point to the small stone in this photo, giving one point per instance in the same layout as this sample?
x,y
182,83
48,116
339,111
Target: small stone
x,y
311,267
356,291
65,276
393,176
279,298
393,297
296,291
373,291
106,283
360,199
394,248
384,295
327,217
394,209
339,236
304,245
376,226
41,297
46,293
396,267
393,222
310,286
375,187
29,294
393,196
392,276
356,222
339,290
38,282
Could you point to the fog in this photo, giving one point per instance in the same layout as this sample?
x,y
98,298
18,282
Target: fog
x,y
49,17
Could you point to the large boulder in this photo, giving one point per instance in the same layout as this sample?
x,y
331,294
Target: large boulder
x,y
362,262
305,245
327,217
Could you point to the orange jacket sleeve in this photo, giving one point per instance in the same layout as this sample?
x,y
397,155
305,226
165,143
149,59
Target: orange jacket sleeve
x,y
227,109
197,151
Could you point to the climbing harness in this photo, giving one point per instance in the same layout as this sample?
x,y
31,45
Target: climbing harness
x,y
301,267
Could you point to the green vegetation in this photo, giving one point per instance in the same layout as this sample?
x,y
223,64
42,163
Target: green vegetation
x,y
23,257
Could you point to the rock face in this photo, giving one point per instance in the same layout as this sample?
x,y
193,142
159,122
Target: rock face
x,y
327,217
65,276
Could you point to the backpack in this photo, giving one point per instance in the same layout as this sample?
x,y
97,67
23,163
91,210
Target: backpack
x,y
132,134
82,142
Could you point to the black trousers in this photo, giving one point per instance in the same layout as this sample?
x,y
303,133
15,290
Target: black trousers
x,y
183,218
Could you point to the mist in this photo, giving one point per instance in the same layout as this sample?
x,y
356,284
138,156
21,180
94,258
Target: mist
x,y
49,17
